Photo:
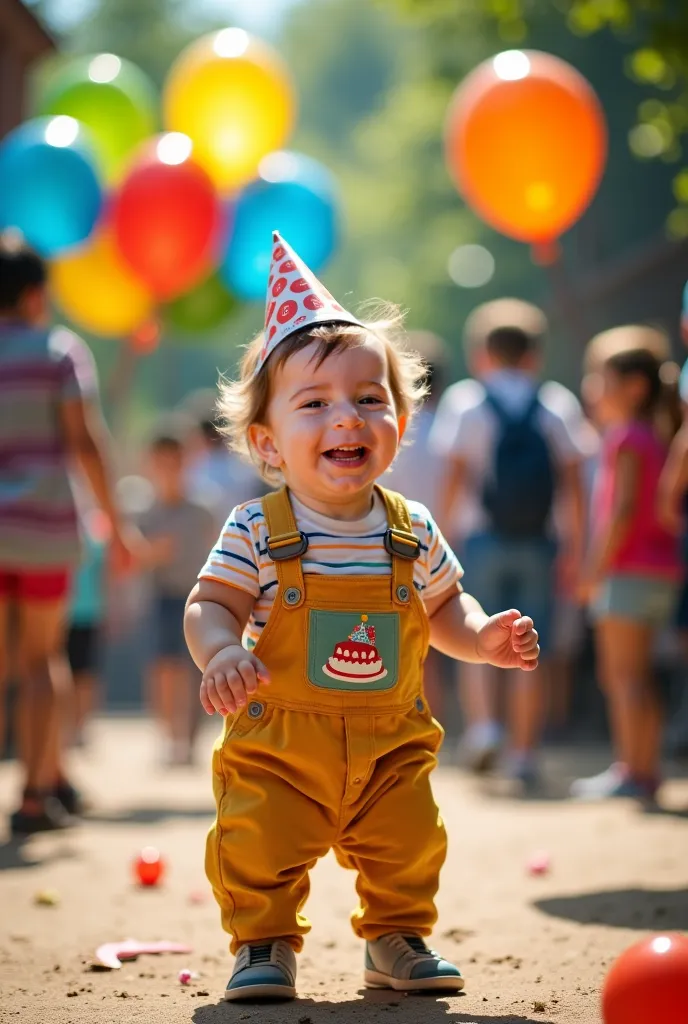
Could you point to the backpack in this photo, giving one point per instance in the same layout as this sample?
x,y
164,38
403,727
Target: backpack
x,y
519,492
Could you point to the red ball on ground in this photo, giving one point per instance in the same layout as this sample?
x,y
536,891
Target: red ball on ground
x,y
149,866
648,983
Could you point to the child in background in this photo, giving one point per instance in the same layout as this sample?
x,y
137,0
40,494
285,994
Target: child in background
x,y
179,529
223,476
86,617
633,568
673,497
416,470
336,587
50,423
509,460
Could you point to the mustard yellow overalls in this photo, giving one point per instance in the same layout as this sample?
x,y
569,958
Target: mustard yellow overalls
x,y
335,753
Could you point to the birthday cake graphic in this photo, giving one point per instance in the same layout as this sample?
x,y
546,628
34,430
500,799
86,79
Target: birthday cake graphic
x,y
356,659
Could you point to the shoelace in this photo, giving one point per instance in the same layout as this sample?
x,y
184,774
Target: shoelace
x,y
260,954
417,945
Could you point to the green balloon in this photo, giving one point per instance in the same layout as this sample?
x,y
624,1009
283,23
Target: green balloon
x,y
113,99
206,306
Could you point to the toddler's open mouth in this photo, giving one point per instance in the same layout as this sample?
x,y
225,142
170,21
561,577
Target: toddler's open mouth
x,y
350,456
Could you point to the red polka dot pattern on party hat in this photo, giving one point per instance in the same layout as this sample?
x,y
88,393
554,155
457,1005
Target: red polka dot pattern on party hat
x,y
279,286
287,311
270,311
287,267
299,285
313,302
279,253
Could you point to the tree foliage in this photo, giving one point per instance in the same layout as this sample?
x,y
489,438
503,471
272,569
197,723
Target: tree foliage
x,y
654,55
374,93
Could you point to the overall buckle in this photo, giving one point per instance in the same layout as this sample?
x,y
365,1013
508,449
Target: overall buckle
x,y
402,544
286,546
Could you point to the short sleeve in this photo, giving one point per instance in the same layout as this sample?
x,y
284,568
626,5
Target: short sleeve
x,y
233,560
79,373
453,431
439,568
561,437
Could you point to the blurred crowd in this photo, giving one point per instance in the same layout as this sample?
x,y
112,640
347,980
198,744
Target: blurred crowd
x,y
570,509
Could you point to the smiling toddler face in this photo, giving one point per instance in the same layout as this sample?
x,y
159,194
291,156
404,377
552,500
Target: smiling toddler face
x,y
331,428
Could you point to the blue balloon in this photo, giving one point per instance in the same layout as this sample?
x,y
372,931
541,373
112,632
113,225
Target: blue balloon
x,y
49,189
294,195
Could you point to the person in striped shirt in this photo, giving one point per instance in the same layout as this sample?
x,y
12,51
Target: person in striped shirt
x,y
50,421
310,622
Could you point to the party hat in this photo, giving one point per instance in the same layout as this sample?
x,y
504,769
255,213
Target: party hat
x,y
296,299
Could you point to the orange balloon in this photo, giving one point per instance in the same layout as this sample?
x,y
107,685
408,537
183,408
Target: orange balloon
x,y
526,143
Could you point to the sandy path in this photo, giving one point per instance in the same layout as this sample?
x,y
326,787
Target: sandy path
x,y
534,950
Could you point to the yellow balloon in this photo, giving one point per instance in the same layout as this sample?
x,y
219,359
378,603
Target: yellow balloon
x,y
97,290
233,96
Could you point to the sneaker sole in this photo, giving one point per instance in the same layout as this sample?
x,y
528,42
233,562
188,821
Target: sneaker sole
x,y
249,992
373,979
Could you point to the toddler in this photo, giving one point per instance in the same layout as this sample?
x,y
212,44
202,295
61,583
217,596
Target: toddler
x,y
310,623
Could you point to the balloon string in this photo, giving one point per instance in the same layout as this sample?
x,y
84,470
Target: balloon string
x,y
546,253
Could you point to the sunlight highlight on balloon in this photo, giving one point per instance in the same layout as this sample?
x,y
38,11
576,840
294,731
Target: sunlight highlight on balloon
x,y
104,68
62,131
231,42
174,148
511,65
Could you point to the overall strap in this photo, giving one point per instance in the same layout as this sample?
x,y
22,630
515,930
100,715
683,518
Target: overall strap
x,y
285,546
401,543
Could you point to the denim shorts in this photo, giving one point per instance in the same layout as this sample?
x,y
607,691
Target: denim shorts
x,y
168,627
503,573
645,599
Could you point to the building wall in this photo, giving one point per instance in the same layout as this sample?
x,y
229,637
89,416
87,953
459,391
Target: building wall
x,y
22,41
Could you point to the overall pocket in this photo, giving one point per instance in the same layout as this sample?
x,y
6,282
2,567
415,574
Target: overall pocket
x,y
353,651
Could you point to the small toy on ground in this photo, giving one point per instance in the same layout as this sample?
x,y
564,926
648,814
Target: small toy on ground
x,y
109,956
539,864
186,976
648,983
149,866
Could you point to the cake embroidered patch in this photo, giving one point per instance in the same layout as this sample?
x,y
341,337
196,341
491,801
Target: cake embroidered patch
x,y
353,652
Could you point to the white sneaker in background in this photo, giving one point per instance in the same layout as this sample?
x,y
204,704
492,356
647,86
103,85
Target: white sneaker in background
x,y
480,746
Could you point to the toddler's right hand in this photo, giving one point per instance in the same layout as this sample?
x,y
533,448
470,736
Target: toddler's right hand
x,y
230,676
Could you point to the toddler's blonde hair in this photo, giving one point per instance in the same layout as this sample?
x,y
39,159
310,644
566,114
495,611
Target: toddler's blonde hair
x,y
245,401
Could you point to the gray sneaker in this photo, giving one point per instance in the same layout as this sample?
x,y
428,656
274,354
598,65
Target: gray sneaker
x,y
263,970
404,963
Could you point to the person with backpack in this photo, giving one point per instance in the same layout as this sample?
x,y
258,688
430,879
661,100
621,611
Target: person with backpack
x,y
509,458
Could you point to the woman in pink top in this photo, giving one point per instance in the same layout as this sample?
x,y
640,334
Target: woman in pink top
x,y
634,566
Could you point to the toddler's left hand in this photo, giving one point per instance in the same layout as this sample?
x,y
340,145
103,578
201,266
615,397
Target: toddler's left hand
x,y
509,640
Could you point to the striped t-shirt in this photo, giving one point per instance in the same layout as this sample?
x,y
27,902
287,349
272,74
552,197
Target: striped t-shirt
x,y
40,370
335,548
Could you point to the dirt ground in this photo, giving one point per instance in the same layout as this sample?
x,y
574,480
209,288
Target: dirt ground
x,y
533,949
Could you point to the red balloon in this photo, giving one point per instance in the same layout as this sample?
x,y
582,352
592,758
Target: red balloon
x,y
149,866
648,984
168,218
